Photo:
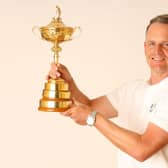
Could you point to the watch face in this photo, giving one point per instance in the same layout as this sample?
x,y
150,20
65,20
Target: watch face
x,y
90,120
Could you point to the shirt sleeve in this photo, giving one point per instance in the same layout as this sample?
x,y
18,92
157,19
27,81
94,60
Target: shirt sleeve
x,y
115,97
160,116
120,96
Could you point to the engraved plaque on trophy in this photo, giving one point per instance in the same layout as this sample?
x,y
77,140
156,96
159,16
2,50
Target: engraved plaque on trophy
x,y
56,96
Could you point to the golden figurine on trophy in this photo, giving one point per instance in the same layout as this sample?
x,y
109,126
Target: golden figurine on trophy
x,y
56,96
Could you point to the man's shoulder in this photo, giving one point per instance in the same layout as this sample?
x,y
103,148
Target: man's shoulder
x,y
129,88
135,84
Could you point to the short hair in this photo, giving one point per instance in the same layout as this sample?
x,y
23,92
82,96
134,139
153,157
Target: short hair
x,y
158,19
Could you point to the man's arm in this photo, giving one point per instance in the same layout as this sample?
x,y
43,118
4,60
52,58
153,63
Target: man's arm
x,y
141,147
101,104
104,107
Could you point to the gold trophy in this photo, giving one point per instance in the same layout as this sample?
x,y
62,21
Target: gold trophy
x,y
56,96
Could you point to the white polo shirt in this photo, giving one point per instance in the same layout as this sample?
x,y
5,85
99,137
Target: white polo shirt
x,y
139,103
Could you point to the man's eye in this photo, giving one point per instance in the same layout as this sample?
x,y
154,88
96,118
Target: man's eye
x,y
165,45
150,44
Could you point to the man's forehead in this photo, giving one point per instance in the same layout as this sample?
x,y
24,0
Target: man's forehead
x,y
155,27
157,31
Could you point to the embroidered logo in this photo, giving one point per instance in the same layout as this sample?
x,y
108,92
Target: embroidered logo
x,y
152,108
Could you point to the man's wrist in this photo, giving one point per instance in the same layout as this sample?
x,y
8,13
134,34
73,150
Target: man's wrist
x,y
91,119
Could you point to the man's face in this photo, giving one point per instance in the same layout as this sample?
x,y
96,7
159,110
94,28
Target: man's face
x,y
156,47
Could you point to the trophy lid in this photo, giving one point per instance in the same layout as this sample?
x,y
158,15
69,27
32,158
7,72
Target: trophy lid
x,y
56,31
56,22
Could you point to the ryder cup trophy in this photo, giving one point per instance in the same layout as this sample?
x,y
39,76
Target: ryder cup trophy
x,y
56,96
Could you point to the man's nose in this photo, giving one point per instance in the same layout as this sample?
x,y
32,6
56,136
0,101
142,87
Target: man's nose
x,y
158,49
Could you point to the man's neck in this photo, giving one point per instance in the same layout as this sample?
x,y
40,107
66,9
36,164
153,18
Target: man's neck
x,y
156,78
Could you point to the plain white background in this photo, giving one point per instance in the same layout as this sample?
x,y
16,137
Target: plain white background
x,y
109,52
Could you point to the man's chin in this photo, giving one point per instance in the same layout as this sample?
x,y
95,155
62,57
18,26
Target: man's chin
x,y
159,69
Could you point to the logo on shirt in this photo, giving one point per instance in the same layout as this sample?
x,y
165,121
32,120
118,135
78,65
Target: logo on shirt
x,y
152,108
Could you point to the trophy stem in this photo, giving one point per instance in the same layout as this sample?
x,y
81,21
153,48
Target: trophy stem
x,y
56,49
56,58
56,55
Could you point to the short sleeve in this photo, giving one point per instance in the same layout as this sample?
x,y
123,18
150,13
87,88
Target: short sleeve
x,y
160,116
113,97
116,96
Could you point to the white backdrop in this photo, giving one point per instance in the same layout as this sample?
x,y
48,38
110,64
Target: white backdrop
x,y
108,53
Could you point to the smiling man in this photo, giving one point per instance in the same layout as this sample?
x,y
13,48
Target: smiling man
x,y
141,107
156,50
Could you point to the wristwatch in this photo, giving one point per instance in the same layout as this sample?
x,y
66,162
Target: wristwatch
x,y
91,119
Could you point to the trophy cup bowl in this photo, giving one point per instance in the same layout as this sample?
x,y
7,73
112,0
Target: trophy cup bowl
x,y
56,34
56,96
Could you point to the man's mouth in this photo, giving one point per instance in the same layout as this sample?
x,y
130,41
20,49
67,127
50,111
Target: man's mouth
x,y
158,58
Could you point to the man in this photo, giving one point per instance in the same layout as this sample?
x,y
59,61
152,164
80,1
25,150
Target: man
x,y
141,132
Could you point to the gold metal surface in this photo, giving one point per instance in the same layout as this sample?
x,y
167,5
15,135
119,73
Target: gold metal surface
x,y
56,96
61,86
56,32
54,104
43,109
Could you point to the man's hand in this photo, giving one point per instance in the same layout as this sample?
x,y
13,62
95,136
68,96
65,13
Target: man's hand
x,y
59,70
78,112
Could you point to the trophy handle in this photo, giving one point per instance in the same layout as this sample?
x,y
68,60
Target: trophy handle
x,y
77,32
36,31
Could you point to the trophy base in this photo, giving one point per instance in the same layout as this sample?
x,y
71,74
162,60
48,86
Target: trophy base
x,y
42,109
56,96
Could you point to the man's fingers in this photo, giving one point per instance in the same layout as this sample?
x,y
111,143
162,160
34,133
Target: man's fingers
x,y
66,113
54,66
54,74
75,102
47,77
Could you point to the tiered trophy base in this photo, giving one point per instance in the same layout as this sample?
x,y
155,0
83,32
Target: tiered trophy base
x,y
43,109
56,96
